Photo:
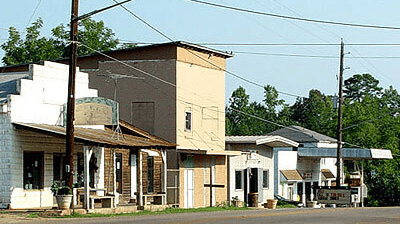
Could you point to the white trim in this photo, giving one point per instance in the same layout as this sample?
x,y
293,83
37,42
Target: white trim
x,y
150,152
278,141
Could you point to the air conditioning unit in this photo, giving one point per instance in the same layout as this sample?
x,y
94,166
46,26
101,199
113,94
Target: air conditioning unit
x,y
308,176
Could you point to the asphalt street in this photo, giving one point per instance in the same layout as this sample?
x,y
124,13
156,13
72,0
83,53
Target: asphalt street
x,y
258,216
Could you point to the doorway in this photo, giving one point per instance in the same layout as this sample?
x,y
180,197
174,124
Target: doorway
x,y
118,172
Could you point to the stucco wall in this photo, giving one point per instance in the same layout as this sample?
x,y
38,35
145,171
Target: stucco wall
x,y
263,159
44,95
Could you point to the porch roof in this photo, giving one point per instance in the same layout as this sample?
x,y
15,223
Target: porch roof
x,y
347,153
291,175
327,173
96,136
207,152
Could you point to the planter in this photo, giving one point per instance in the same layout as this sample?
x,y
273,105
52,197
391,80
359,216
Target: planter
x,y
271,203
237,203
311,204
64,201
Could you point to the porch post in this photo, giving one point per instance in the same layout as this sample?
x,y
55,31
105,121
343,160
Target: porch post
x,y
303,197
87,153
140,178
114,179
164,158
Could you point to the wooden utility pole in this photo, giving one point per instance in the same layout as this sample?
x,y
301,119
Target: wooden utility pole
x,y
71,95
339,125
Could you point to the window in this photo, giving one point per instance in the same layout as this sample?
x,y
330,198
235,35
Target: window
x,y
238,179
59,167
33,170
265,178
188,121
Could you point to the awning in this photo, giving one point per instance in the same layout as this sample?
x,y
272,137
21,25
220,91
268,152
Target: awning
x,y
327,173
381,153
291,175
207,152
347,153
150,152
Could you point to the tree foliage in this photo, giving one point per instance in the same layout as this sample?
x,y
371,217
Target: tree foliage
x,y
34,47
371,119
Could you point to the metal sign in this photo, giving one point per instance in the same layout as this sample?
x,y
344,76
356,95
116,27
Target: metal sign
x,y
334,196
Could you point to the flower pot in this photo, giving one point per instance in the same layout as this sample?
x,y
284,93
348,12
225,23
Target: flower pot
x,y
271,203
237,203
64,201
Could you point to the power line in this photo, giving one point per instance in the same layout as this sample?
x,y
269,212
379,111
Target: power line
x,y
34,11
297,18
316,56
143,21
206,60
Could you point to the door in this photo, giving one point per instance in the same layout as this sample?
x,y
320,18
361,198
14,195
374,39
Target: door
x,y
118,172
189,188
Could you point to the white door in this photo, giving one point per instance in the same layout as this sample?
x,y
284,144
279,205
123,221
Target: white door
x,y
189,188
133,176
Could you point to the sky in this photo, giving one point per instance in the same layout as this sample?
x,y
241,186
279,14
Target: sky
x,y
291,68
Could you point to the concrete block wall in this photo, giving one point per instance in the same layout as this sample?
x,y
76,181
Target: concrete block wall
x,y
7,167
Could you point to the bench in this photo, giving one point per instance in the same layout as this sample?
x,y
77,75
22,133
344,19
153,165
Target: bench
x,y
158,198
106,201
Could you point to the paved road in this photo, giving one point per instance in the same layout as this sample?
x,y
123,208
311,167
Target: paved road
x,y
286,216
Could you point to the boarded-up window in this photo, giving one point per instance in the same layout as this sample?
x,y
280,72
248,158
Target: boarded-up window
x,y
142,115
150,174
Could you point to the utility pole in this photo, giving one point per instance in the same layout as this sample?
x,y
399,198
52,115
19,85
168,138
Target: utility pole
x,y
339,125
71,95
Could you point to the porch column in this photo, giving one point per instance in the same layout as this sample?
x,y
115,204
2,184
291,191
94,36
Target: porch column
x,y
87,153
116,201
303,197
164,189
140,178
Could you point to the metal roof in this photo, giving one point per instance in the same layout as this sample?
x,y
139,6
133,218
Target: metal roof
x,y
97,136
302,135
347,153
271,140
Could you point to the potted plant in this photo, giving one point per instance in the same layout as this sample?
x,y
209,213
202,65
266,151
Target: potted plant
x,y
63,195
236,202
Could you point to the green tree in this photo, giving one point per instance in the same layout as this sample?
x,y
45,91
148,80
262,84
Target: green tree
x,y
94,35
360,85
34,47
253,118
315,113
370,118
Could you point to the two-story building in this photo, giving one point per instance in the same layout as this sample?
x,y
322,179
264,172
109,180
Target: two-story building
x,y
175,91
32,142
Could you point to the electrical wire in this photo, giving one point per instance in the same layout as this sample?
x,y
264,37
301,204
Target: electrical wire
x,y
143,21
208,61
34,11
296,18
